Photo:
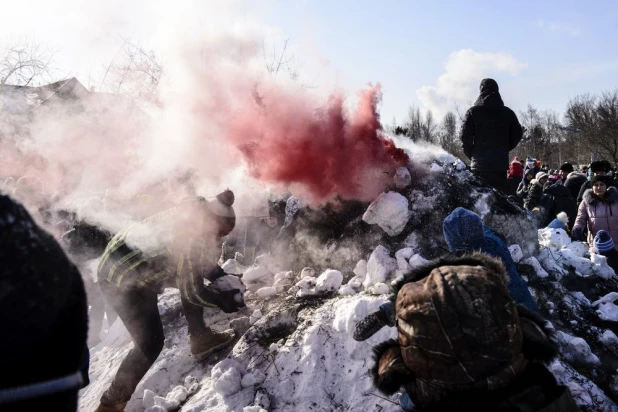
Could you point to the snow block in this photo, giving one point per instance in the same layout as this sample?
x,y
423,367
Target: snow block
x,y
417,260
389,211
380,265
579,248
402,256
148,399
346,290
516,253
226,377
380,289
254,378
266,292
402,178
329,281
232,267
255,273
307,282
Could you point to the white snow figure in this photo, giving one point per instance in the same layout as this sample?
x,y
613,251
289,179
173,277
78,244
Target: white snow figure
x,y
402,178
380,265
389,211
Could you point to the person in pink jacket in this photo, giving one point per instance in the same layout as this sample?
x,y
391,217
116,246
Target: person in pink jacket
x,y
598,210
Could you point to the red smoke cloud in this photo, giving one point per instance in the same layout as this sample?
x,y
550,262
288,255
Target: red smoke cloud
x,y
323,153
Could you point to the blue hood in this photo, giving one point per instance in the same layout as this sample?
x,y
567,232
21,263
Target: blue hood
x,y
463,230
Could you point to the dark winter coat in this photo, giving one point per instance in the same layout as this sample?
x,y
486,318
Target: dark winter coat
x,y
489,131
596,214
43,311
513,341
535,192
574,183
464,231
586,186
557,198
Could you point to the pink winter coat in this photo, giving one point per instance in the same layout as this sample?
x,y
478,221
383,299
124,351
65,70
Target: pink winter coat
x,y
597,214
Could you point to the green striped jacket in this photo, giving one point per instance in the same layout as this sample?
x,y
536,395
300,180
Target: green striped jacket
x,y
161,263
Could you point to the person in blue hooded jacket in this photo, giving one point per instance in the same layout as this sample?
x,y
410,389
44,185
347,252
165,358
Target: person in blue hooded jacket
x,y
464,232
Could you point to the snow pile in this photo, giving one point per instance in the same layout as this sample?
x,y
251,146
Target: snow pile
x,y
607,310
389,211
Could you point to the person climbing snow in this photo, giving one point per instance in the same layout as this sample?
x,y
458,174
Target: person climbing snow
x,y
464,344
489,131
177,248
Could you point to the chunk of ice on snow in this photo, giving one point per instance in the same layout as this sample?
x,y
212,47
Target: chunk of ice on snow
x,y
254,273
307,282
346,290
554,239
178,394
389,211
402,256
266,292
417,260
232,267
148,399
253,408
226,377
329,281
608,311
380,265
609,298
360,269
516,253
609,338
579,248
255,316
254,378
379,289
167,404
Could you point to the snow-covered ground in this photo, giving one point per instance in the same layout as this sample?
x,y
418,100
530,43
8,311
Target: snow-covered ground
x,y
295,350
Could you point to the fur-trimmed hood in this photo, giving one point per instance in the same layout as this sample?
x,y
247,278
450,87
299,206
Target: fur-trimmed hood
x,y
591,199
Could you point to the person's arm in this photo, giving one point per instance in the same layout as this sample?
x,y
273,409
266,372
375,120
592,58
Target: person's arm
x,y
515,132
467,134
580,221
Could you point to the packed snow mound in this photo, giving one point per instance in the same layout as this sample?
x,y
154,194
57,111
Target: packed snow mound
x,y
390,212
329,281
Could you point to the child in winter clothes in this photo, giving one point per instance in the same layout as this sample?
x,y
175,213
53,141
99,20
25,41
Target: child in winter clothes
x,y
535,191
516,170
604,245
522,189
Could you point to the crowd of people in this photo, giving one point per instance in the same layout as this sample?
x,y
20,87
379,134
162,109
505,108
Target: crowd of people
x,y
469,332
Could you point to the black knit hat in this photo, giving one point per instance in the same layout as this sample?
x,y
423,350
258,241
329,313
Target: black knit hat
x,y
600,166
489,85
567,167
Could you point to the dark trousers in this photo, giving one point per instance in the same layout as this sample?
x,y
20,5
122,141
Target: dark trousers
x,y
137,308
497,180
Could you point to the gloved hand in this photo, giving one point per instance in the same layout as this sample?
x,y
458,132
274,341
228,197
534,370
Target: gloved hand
x,y
229,301
215,274
577,233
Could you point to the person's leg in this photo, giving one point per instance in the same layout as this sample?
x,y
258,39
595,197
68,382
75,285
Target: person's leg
x,y
195,317
140,315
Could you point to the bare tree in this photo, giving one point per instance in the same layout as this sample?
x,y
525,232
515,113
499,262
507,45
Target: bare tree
x,y
596,118
26,64
282,61
134,72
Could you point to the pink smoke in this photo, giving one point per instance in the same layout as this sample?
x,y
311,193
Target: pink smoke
x,y
323,153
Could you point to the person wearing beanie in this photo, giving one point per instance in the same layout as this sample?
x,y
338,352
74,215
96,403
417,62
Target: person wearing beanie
x,y
597,168
574,181
515,175
463,343
524,185
598,210
490,131
564,170
535,191
604,246
178,248
556,199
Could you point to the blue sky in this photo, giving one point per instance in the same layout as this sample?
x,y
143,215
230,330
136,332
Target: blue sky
x,y
558,48
426,53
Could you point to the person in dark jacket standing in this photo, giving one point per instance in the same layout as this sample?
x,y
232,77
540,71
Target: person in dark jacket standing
x,y
535,191
489,131
557,198
574,182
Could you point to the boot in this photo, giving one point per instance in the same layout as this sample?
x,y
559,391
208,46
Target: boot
x,y
119,407
208,342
